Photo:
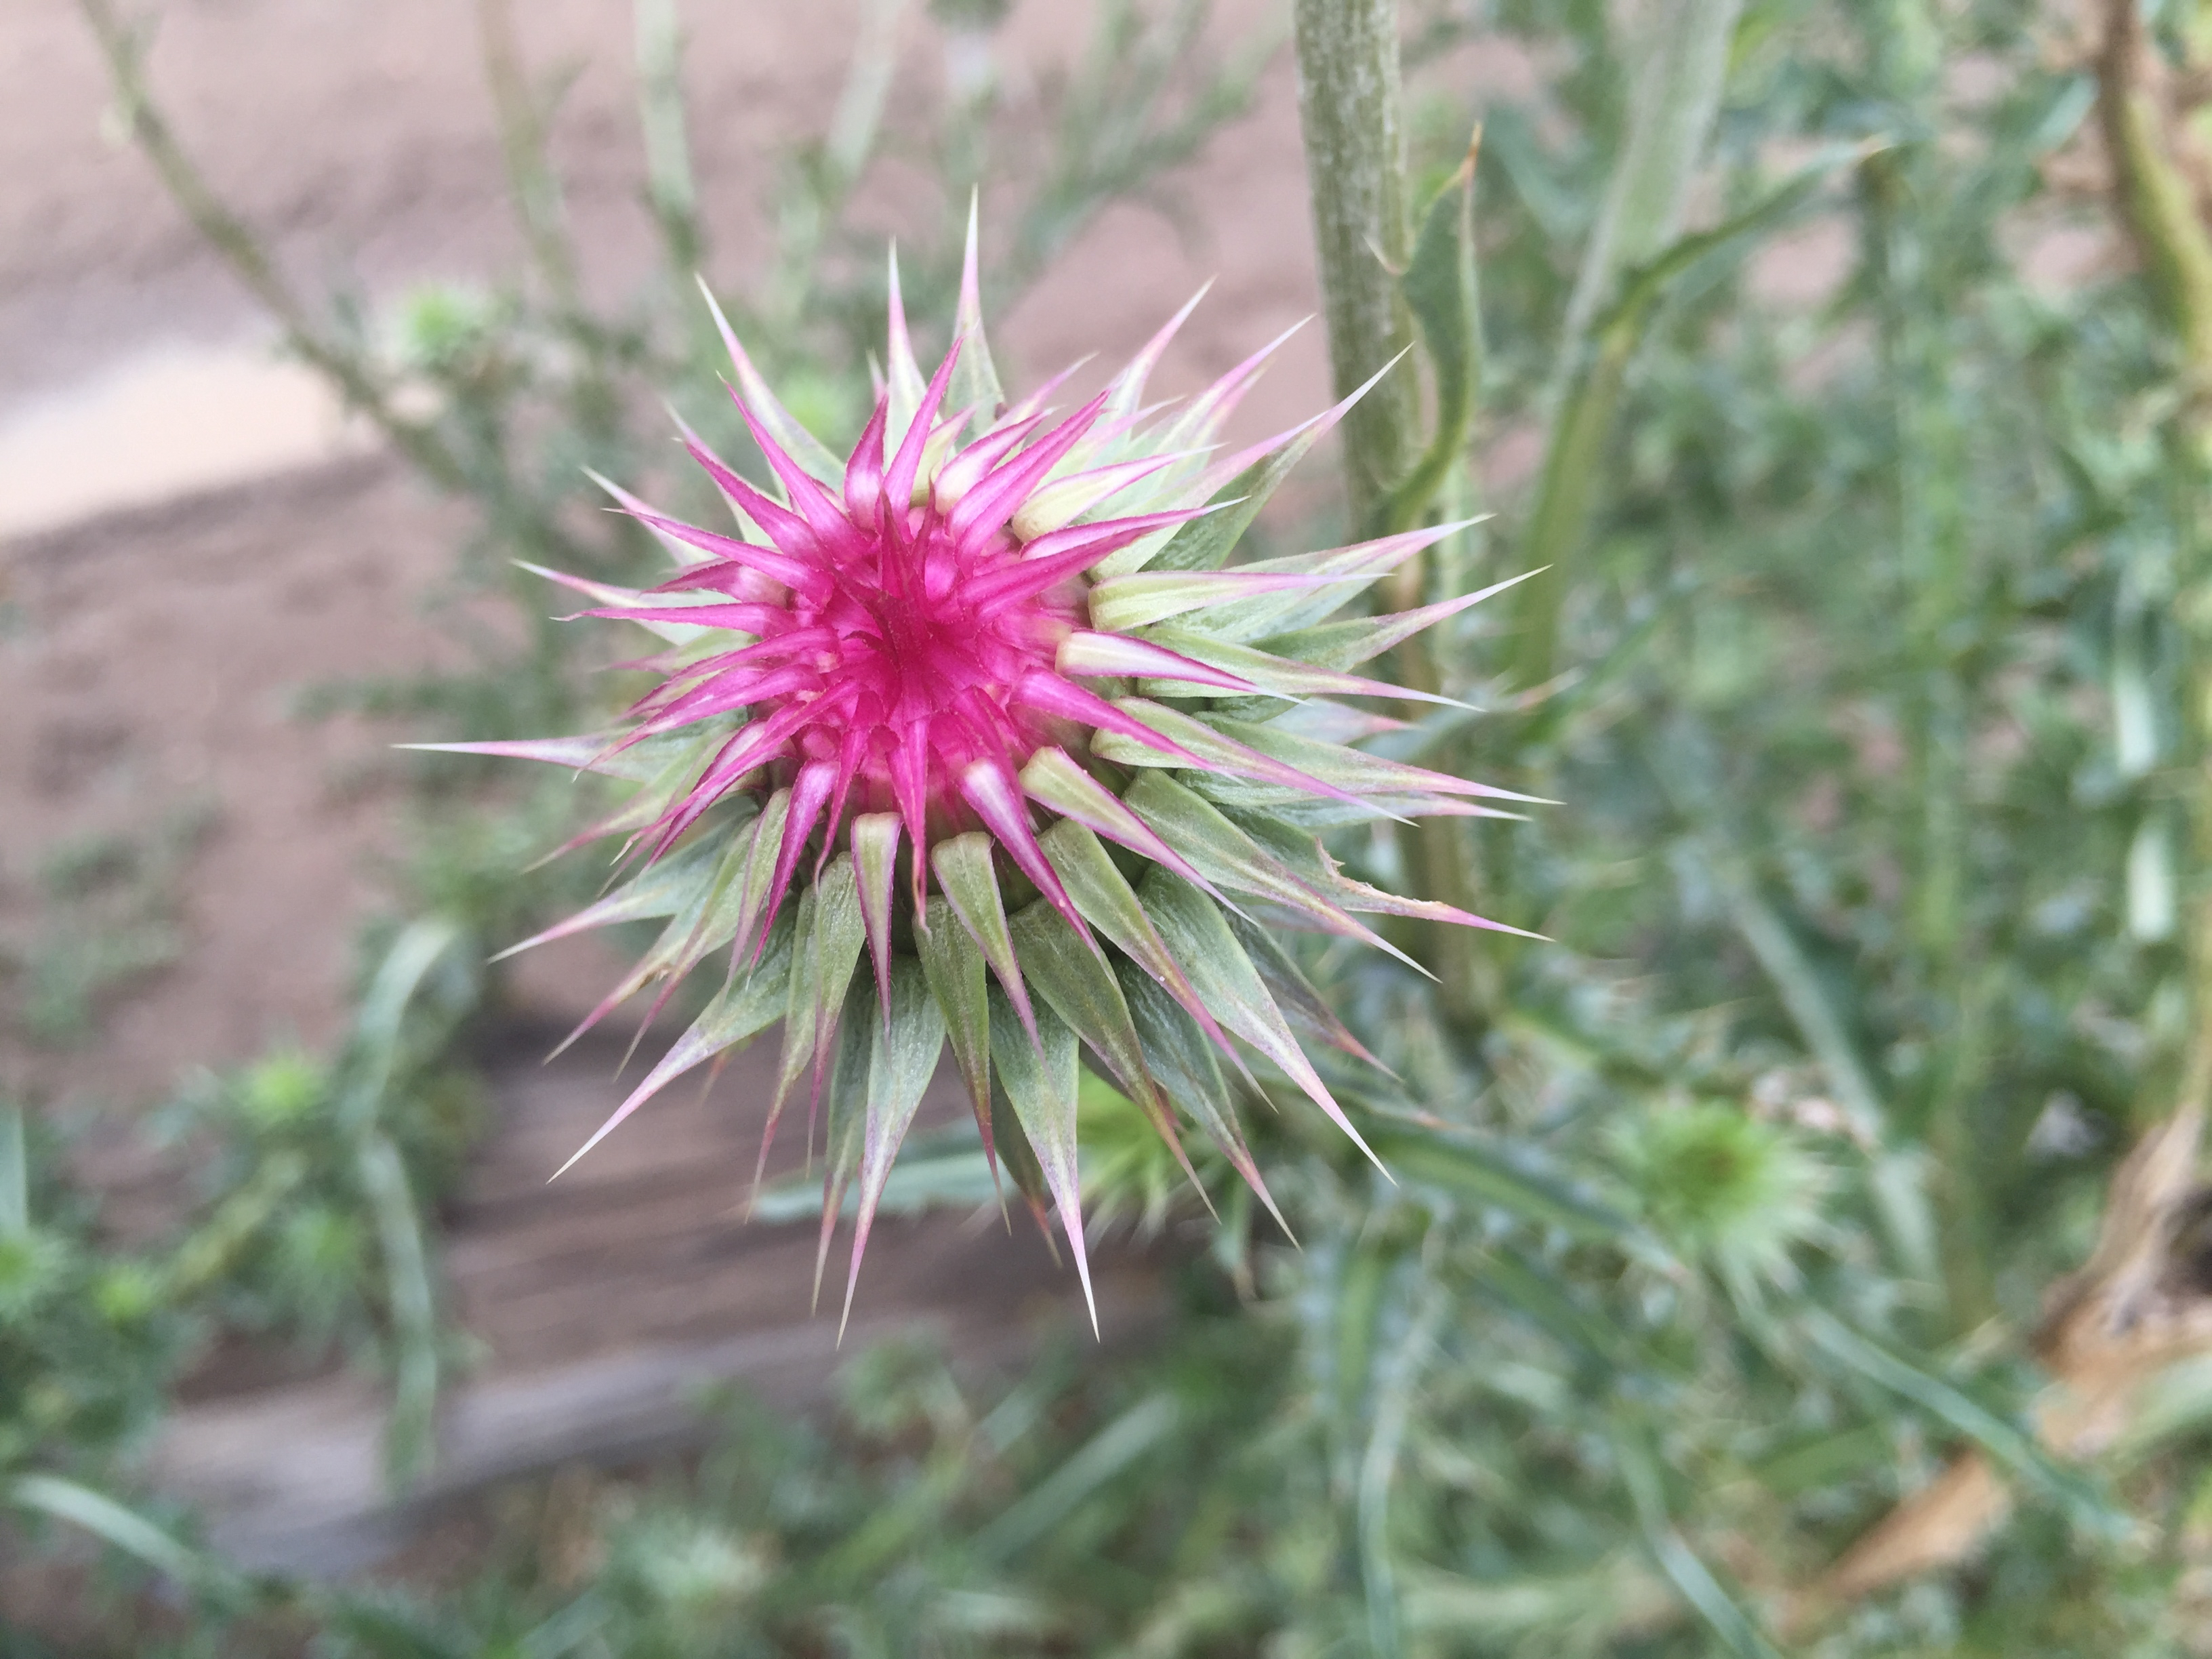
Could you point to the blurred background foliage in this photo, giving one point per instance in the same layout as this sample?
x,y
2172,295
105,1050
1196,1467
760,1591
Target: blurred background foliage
x,y
1721,1303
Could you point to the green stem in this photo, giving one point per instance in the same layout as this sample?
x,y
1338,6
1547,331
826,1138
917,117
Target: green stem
x,y
668,181
1348,111
1682,46
124,50
535,188
2155,198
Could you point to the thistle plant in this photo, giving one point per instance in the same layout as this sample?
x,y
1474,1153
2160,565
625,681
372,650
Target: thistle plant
x,y
976,736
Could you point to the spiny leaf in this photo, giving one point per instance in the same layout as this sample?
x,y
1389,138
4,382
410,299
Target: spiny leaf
x,y
1181,1057
668,887
1103,894
955,970
902,1060
974,379
779,422
707,921
1282,676
1228,857
759,875
907,384
1121,603
875,857
965,874
1020,1159
1330,579
1196,932
830,933
1306,1009
1039,1078
1306,858
1347,644
1353,770
1205,544
1072,975
744,1008
1440,289
843,1085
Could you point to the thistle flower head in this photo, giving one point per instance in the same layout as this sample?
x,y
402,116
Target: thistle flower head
x,y
975,735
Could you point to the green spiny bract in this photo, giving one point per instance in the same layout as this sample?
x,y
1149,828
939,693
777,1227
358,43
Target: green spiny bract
x,y
1022,660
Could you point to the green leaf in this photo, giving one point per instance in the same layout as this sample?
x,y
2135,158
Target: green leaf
x,y
829,950
1640,1472
1039,1080
14,1176
955,970
741,1010
1535,1293
410,1438
1232,987
968,880
901,1063
1221,852
1053,1500
1440,288
114,1524
2007,1443
1180,1055
974,377
1305,1008
1457,1162
1071,973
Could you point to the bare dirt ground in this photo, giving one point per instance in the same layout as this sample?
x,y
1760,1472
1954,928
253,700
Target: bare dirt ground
x,y
149,658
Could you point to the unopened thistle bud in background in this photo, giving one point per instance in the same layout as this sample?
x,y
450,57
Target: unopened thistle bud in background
x,y
977,737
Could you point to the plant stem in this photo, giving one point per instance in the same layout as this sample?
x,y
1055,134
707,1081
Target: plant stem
x,y
1348,100
668,182
236,246
1682,46
1348,111
2155,190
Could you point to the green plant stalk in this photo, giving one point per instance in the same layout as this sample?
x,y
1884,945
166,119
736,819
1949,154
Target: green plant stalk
x,y
461,455
2153,195
124,52
1683,47
535,190
2153,200
1933,581
668,181
1348,113
1566,492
